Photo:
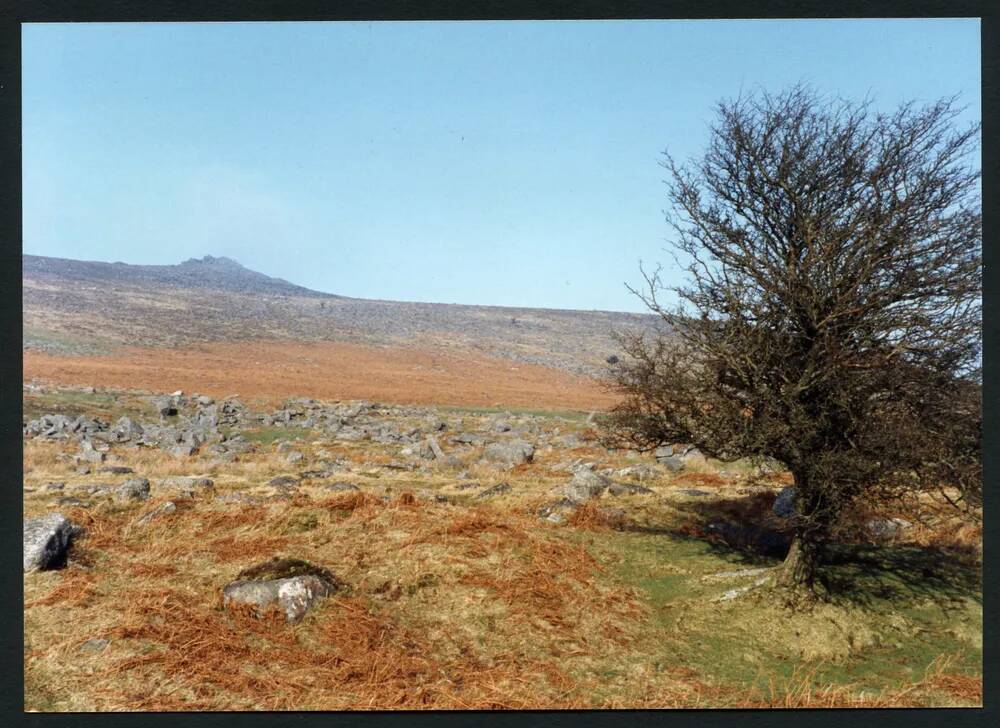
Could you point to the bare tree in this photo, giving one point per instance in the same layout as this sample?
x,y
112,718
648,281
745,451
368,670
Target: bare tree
x,y
832,314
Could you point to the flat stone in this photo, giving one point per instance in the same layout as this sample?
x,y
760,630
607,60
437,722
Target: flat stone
x,y
284,481
340,487
493,491
95,644
188,485
694,492
628,489
293,594
116,469
71,502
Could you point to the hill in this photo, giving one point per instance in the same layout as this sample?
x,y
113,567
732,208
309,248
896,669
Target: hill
x,y
82,307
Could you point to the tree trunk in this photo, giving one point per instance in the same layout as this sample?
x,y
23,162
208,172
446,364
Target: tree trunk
x,y
799,568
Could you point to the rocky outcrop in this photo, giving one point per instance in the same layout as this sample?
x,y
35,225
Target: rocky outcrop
x,y
509,453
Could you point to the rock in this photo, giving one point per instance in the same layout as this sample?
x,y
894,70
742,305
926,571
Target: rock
x,y
672,464
435,424
435,448
294,457
187,485
160,510
126,429
341,487
399,465
493,491
205,400
784,504
692,455
502,426
165,406
694,492
738,574
284,481
116,470
628,489
46,541
182,451
509,453
95,644
662,452
350,434
731,594
886,528
291,585
467,438
89,454
429,495
440,455
585,485
55,486
569,441
135,489
637,472
557,511
71,502
186,482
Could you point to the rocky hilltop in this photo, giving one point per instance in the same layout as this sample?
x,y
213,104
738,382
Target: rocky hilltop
x,y
222,274
82,307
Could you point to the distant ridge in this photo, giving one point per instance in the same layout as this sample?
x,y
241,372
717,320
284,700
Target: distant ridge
x,y
219,274
80,307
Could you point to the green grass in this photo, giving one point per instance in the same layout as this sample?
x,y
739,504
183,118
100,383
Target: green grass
x,y
903,608
268,435
73,403
45,339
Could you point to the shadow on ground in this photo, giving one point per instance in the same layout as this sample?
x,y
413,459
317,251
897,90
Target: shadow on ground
x,y
743,530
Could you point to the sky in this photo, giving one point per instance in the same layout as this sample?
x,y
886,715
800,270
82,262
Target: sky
x,y
501,163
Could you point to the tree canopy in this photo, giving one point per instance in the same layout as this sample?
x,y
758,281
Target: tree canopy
x,y
831,316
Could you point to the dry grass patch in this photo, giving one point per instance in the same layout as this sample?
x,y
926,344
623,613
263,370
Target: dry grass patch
x,y
349,652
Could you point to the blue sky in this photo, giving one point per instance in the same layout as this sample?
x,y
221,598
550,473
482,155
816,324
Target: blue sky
x,y
506,163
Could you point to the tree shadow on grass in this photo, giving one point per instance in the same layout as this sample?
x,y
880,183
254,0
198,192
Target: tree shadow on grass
x,y
744,530
864,575
740,527
740,555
